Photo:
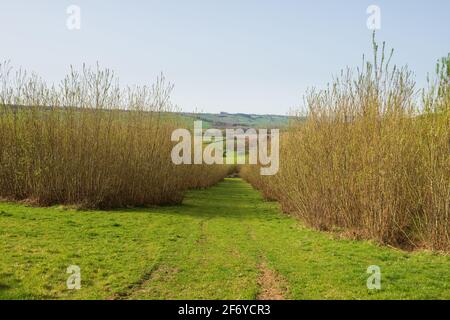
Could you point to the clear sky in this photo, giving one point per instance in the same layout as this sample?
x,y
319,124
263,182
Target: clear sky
x,y
252,56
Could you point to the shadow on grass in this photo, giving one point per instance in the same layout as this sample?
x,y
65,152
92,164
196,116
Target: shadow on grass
x,y
229,199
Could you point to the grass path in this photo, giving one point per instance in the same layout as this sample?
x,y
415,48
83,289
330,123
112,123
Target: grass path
x,y
222,243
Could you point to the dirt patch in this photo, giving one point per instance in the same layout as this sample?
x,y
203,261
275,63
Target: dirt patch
x,y
163,273
202,238
251,234
156,274
272,286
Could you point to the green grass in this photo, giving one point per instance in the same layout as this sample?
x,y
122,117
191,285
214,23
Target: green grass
x,y
209,247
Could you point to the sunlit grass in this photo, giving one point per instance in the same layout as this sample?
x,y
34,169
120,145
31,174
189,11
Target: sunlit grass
x,y
211,247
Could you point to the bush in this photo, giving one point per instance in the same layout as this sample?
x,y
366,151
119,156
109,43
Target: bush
x,y
369,160
89,142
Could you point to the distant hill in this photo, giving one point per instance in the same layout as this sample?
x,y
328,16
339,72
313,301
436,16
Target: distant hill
x,y
240,120
221,120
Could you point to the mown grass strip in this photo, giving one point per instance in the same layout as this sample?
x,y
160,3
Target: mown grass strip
x,y
210,247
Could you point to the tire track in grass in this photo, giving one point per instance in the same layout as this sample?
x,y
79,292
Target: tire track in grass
x,y
212,258
272,286
225,242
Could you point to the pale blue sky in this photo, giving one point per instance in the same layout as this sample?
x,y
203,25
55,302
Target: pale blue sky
x,y
230,55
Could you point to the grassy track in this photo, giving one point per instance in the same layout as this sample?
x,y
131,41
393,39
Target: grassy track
x,y
224,242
